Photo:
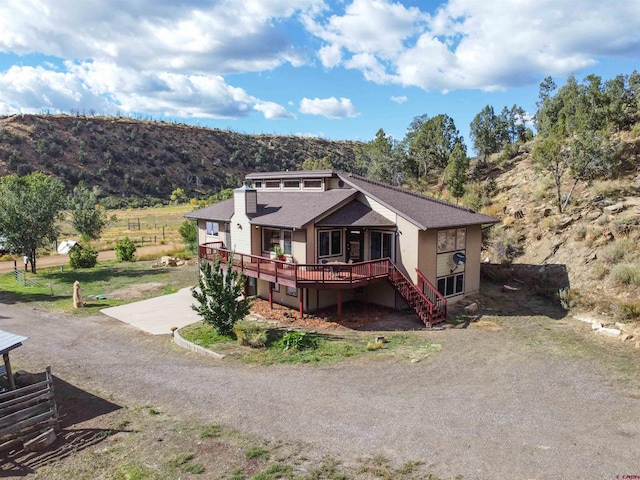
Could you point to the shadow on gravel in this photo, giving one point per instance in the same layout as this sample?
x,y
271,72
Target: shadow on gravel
x,y
75,407
519,290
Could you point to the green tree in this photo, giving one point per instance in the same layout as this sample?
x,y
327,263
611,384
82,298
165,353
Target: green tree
x,y
178,196
553,156
381,159
486,133
219,296
433,141
188,230
591,156
30,207
86,216
317,164
457,170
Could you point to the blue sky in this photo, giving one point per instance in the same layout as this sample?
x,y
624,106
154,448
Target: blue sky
x,y
335,69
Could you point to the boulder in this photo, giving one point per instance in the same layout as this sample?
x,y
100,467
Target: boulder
x,y
472,308
167,261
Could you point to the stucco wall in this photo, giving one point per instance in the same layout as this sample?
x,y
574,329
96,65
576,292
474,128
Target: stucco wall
x,y
407,248
474,248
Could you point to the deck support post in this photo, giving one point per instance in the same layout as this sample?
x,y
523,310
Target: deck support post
x,y
270,296
339,304
300,297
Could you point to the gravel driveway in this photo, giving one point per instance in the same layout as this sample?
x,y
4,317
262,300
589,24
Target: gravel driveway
x,y
487,406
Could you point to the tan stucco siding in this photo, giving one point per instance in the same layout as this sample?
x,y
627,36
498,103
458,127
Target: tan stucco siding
x,y
474,248
299,246
407,248
427,254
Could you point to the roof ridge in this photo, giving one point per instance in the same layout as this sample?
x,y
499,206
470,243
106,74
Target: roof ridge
x,y
408,192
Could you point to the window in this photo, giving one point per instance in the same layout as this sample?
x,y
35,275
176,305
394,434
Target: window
x,y
272,184
329,243
451,240
292,291
213,228
451,285
272,237
312,183
292,184
381,245
286,241
275,287
257,184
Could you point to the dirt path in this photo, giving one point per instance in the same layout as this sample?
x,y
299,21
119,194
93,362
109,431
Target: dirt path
x,y
489,405
58,260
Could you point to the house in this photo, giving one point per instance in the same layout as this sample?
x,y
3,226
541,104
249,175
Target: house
x,y
342,237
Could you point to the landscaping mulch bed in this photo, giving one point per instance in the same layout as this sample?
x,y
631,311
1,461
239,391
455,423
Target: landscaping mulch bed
x,y
355,316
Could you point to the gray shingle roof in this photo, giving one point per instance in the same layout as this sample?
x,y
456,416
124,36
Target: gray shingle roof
x,y
220,212
297,209
355,214
281,209
424,212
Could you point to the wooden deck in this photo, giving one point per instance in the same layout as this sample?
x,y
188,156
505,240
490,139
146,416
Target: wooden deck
x,y
320,276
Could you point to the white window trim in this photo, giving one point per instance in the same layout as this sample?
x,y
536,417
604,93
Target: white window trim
x,y
215,228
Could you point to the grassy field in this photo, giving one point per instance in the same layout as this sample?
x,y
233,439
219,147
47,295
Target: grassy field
x,y
150,225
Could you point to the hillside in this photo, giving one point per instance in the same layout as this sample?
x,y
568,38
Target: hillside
x,y
596,241
144,159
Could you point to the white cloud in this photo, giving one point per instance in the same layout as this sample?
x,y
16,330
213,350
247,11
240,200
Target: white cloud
x,y
478,45
194,36
399,99
106,88
272,110
329,107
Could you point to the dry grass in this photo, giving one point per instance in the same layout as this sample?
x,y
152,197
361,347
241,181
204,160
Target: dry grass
x,y
158,225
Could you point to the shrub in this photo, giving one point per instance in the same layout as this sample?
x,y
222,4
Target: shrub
x,y
251,334
617,251
86,257
567,297
125,250
626,273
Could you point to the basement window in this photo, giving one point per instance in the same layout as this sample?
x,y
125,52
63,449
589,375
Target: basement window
x,y
451,285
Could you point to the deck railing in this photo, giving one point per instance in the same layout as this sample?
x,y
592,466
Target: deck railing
x,y
298,274
432,293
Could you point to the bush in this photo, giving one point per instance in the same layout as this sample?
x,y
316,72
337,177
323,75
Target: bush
x,y
125,250
250,334
86,257
626,273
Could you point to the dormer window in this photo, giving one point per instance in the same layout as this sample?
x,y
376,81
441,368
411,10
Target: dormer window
x,y
293,184
312,184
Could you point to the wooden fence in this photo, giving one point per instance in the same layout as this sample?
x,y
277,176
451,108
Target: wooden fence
x,y
29,415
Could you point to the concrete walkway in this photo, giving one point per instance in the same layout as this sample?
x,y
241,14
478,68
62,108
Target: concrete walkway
x,y
157,315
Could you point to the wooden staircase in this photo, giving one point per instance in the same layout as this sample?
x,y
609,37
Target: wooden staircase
x,y
423,298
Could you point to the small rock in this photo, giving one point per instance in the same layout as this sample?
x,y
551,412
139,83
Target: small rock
x,y
618,207
614,332
625,336
472,308
596,325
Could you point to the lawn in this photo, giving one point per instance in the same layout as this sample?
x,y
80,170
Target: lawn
x,y
106,285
